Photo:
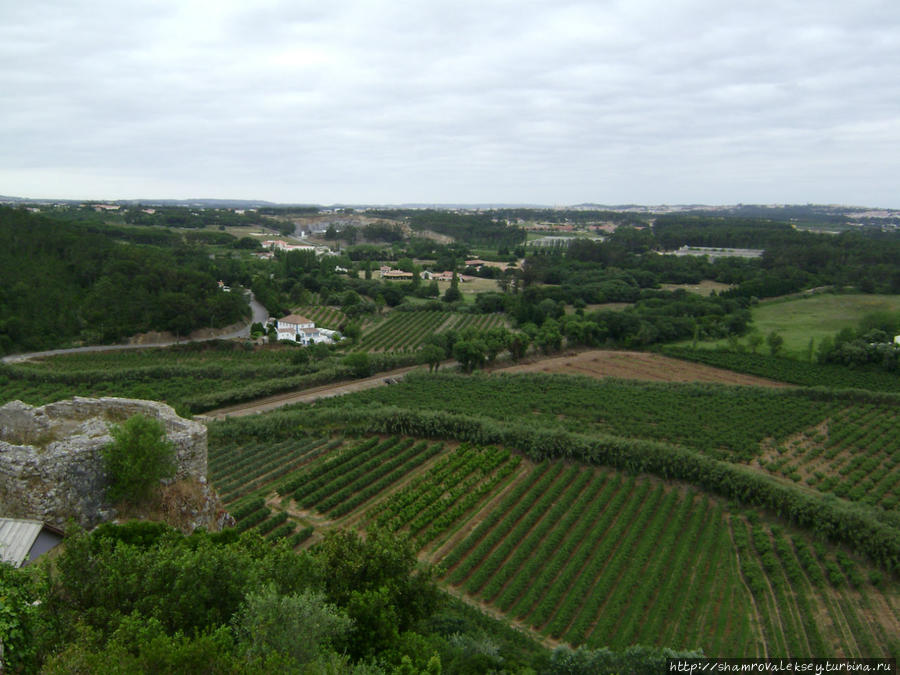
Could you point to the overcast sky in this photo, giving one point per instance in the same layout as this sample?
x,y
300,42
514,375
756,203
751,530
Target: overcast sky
x,y
453,101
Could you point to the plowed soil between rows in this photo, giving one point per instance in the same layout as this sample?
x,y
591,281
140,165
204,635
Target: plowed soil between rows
x,y
639,366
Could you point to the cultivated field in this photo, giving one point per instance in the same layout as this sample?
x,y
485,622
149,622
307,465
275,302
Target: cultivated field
x,y
638,366
407,331
576,554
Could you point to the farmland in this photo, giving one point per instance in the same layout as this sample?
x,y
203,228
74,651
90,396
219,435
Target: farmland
x,y
698,415
792,370
408,330
602,512
191,378
814,317
604,499
638,366
585,555
853,454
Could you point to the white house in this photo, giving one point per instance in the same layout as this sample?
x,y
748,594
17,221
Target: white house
x,y
300,329
293,325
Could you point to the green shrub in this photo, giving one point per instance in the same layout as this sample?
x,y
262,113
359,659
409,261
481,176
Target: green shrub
x,y
139,457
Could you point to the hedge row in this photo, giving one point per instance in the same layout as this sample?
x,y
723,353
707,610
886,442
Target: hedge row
x,y
857,525
250,391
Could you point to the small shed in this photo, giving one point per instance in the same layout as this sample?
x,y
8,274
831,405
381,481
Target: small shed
x,y
21,541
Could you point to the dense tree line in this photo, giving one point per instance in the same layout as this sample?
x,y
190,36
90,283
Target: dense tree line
x,y
482,229
870,344
179,216
793,259
62,282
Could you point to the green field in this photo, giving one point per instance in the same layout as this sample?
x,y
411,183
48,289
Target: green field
x,y
589,556
814,317
723,421
738,520
192,378
793,371
407,331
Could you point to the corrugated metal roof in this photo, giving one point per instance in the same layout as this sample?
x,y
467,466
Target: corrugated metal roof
x,y
16,539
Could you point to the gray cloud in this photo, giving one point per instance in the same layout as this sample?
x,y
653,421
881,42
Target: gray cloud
x,y
452,101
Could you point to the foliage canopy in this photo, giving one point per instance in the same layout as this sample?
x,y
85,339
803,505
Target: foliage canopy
x,y
139,456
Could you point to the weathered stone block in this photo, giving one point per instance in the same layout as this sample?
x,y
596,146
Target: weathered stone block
x,y
51,467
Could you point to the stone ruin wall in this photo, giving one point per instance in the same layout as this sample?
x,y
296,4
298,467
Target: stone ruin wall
x,y
51,467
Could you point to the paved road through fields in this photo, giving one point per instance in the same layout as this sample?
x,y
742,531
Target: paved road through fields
x,y
259,315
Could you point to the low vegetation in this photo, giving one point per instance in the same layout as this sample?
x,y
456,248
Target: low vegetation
x,y
626,519
138,457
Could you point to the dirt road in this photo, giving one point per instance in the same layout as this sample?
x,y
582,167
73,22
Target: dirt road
x,y
305,396
597,363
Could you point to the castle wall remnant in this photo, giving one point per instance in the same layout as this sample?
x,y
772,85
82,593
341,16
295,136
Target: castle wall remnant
x,y
51,468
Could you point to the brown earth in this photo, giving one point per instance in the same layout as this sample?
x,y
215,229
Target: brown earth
x,y
597,363
639,366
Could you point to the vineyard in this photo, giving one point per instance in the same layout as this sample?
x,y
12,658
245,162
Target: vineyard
x,y
585,555
324,316
191,378
791,370
723,421
855,455
409,330
173,375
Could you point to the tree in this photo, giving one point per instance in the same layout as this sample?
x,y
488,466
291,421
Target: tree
x,y
775,342
352,331
359,363
139,457
18,613
432,354
518,346
380,583
754,340
549,339
453,294
471,354
271,623
497,340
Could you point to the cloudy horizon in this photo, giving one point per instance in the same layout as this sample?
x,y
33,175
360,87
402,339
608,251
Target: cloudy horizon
x,y
540,101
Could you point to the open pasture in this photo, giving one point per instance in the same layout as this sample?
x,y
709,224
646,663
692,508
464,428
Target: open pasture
x,y
800,319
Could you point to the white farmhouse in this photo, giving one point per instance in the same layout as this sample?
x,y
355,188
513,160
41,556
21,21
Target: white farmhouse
x,y
300,329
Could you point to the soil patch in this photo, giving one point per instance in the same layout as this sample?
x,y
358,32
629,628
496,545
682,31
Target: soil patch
x,y
639,366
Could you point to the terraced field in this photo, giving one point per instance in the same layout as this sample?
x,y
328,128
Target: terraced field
x,y
574,553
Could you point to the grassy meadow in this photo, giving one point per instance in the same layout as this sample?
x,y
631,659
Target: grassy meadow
x,y
799,319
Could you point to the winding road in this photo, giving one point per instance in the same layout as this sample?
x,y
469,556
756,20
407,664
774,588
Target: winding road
x,y
259,315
